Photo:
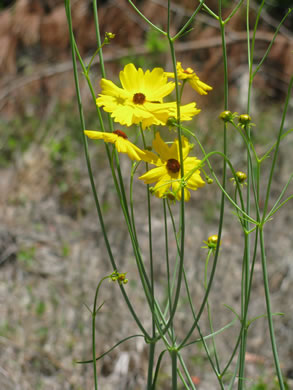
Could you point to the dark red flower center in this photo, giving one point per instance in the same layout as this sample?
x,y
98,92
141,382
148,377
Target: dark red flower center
x,y
173,165
138,98
120,134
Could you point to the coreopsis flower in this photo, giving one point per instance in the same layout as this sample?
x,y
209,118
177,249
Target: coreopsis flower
x,y
167,174
139,100
191,77
187,111
122,144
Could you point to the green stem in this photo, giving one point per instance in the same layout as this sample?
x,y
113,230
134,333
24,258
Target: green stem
x,y
209,309
187,24
89,167
233,12
174,368
167,262
157,370
146,19
269,311
277,149
94,313
151,365
224,180
183,365
182,209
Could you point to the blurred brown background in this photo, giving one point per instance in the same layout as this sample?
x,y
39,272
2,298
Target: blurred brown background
x,y
51,249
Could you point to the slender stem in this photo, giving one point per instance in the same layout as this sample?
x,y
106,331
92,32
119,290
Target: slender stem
x,y
277,149
94,313
157,370
151,365
271,43
182,209
89,167
187,24
146,19
183,365
233,12
246,257
209,310
167,261
174,368
269,311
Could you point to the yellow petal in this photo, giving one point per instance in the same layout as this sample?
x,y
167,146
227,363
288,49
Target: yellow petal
x,y
109,88
154,174
178,190
163,186
199,86
129,78
195,181
191,163
161,147
107,137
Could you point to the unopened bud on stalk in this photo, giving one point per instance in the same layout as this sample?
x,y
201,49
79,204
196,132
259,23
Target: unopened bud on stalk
x,y
244,119
241,176
226,116
212,241
120,277
108,37
171,196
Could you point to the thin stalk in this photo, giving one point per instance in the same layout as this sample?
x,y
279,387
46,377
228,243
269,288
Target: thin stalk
x,y
186,371
89,167
152,345
157,370
110,121
182,209
146,19
174,368
233,12
94,313
246,257
190,20
209,310
167,263
151,365
199,331
277,149
269,311
224,180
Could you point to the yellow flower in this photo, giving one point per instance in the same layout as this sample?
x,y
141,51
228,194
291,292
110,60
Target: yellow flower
x,y
138,101
187,112
122,144
167,174
189,75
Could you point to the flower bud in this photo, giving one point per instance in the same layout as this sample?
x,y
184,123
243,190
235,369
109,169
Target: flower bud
x,y
108,37
212,241
244,119
171,196
241,176
226,116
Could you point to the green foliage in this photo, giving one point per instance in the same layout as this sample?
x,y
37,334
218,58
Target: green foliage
x,y
40,308
26,255
155,42
16,137
268,385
